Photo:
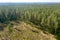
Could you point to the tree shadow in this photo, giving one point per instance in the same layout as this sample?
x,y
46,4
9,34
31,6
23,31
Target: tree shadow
x,y
58,36
2,26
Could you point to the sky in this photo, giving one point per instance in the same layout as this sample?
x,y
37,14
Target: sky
x,y
29,1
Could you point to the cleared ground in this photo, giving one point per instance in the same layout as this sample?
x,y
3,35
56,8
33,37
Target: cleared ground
x,y
24,31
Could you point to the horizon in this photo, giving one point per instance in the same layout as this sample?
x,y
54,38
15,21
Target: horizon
x,y
29,1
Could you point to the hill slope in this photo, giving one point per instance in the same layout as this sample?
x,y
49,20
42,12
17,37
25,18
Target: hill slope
x,y
24,31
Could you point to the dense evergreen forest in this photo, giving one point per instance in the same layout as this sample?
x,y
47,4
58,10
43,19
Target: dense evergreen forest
x,y
45,16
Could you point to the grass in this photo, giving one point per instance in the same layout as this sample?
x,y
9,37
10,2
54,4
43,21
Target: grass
x,y
32,33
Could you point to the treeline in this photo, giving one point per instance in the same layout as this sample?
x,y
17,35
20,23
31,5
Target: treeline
x,y
8,15
48,18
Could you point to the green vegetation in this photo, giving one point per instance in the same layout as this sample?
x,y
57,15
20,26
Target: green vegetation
x,y
46,17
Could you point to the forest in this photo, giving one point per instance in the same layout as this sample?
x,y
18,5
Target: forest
x,y
45,16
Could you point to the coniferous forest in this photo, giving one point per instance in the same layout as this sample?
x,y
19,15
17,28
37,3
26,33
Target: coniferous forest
x,y
45,16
